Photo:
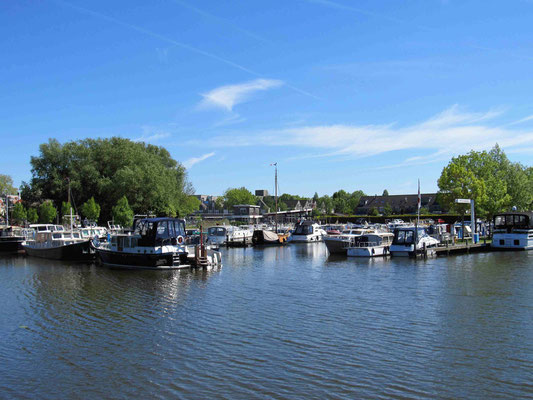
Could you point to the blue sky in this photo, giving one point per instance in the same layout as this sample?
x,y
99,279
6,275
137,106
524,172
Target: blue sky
x,y
366,95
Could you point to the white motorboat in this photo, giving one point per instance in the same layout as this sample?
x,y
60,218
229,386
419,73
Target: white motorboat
x,y
219,235
513,230
337,244
406,238
54,242
307,232
370,245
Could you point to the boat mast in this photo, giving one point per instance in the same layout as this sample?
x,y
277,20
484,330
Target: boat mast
x,y
69,204
276,196
7,210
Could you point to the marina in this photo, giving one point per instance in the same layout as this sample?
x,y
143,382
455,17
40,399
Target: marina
x,y
272,322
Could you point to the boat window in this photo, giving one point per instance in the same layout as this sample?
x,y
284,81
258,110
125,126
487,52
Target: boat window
x,y
56,235
76,235
303,230
113,240
171,230
404,237
162,229
520,220
179,228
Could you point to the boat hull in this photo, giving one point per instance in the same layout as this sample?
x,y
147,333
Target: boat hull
x,y
118,259
512,241
306,238
71,252
336,246
374,251
11,244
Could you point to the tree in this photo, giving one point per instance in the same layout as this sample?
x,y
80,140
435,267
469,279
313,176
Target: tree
x,y
32,216
90,209
387,210
65,208
108,169
47,212
385,192
19,213
219,203
374,211
234,196
489,178
122,213
6,185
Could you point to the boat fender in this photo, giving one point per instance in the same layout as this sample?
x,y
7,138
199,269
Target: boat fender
x,y
180,239
373,251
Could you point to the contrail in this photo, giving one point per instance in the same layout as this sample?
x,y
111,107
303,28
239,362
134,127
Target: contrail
x,y
171,41
222,21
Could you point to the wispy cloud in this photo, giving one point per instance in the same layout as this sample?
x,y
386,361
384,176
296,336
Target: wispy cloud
x,y
526,119
150,134
450,132
228,96
195,160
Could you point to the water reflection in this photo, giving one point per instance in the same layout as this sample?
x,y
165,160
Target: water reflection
x,y
275,322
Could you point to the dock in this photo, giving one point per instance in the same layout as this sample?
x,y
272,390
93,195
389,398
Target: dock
x,y
463,248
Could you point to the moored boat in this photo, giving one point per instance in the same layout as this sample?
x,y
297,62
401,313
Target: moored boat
x,y
11,238
156,243
513,231
307,232
337,244
407,240
370,245
54,242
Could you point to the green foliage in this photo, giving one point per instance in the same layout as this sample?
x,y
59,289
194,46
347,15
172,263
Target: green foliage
x,y
65,208
387,210
19,213
424,211
346,203
219,203
122,213
91,209
32,216
6,185
385,192
47,212
234,196
374,211
108,169
490,179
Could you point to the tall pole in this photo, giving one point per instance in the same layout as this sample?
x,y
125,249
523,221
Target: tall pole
x,y
7,210
276,196
69,204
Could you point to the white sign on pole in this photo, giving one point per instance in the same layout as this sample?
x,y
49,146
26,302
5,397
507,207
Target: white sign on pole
x,y
462,201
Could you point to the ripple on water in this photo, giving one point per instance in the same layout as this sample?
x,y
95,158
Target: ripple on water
x,y
277,323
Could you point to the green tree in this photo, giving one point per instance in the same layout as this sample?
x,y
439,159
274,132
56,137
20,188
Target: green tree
x,y
374,211
47,212
32,216
19,214
91,209
109,169
489,178
234,196
219,203
6,185
387,210
122,213
65,208
385,192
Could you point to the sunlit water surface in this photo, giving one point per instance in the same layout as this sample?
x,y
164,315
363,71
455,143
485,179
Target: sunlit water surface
x,y
280,323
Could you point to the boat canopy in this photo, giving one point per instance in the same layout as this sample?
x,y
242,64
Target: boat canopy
x,y
216,231
155,231
518,220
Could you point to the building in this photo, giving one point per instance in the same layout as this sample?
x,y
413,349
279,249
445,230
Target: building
x,y
248,213
207,203
261,192
400,204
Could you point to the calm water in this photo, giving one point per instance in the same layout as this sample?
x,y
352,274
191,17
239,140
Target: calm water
x,y
271,323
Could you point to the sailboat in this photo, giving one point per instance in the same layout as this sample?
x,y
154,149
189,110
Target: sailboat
x,y
267,237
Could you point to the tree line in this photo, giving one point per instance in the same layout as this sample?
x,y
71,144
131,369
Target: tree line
x,y
110,178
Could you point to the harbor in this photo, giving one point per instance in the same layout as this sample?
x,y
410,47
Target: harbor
x,y
272,322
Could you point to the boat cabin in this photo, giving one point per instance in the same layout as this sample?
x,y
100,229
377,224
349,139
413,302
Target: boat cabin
x,y
217,231
512,221
160,231
373,239
304,228
406,236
